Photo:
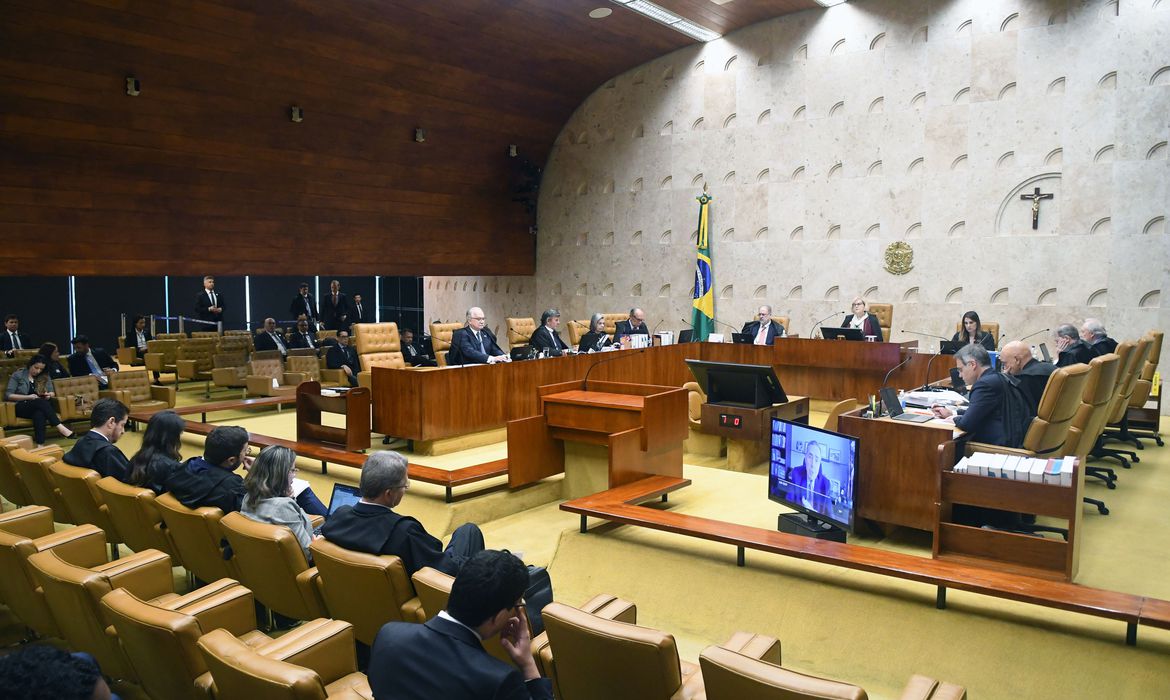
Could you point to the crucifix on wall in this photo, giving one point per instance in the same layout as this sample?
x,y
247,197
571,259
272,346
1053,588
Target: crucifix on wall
x,y
1036,197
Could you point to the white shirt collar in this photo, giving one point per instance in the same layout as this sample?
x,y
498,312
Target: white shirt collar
x,y
98,432
443,614
371,503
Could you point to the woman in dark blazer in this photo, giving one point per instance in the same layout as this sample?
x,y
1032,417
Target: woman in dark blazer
x,y
53,367
596,338
973,333
867,322
138,336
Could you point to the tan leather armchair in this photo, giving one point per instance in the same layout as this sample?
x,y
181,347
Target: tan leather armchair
x,y
261,374
1142,419
160,638
630,661
835,412
78,487
135,390
26,531
11,485
195,535
365,590
377,345
75,397
33,468
604,606
270,562
730,674
241,342
309,367
1132,364
520,330
161,353
73,593
314,661
202,335
1048,430
1089,421
169,336
126,356
441,334
135,516
885,317
230,370
195,359
370,360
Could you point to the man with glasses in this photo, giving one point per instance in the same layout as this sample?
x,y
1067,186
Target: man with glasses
x,y
444,657
343,357
474,344
764,330
372,526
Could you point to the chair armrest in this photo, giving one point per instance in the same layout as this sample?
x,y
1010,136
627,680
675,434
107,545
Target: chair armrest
x,y
146,574
127,356
31,522
22,441
294,378
223,604
120,395
154,361
309,583
602,605
365,378
316,521
973,447
49,451
258,386
223,376
755,646
325,646
84,545
186,368
336,376
919,687
163,393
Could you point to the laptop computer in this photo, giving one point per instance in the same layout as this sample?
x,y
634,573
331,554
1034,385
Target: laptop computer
x,y
1044,352
834,332
343,495
894,408
685,336
742,338
948,347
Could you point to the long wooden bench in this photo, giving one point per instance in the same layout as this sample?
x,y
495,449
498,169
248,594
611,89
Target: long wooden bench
x,y
621,505
229,405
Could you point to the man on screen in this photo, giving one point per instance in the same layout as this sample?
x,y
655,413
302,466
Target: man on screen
x,y
815,498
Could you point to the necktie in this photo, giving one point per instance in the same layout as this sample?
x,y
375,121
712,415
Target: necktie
x,y
279,343
15,340
359,310
479,339
212,295
762,336
93,365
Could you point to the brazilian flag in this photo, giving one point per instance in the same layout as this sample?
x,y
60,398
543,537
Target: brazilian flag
x,y
703,314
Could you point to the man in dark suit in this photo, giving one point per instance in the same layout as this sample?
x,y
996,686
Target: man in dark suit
x,y
474,344
361,312
634,325
304,303
1097,338
372,526
771,328
303,338
984,419
211,480
209,303
96,450
1073,348
335,308
807,483
546,338
445,658
1016,358
413,355
342,356
12,339
86,360
270,339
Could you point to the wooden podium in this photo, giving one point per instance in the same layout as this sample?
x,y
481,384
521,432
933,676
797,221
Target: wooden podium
x,y
642,427
353,404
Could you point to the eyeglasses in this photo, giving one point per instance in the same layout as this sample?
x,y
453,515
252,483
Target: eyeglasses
x,y
478,318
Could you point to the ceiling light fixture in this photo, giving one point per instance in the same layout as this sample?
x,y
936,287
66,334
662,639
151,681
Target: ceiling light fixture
x,y
664,16
828,3
600,13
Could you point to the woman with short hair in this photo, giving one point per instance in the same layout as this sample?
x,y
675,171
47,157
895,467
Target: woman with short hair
x,y
596,338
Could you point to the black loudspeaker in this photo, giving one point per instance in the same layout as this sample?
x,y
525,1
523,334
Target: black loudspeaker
x,y
803,525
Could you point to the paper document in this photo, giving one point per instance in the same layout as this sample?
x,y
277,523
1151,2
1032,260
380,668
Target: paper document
x,y
926,399
299,486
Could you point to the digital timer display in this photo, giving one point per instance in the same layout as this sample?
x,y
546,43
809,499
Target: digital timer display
x,y
727,420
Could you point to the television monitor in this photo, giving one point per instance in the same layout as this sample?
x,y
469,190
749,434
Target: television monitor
x,y
833,333
684,336
730,384
813,471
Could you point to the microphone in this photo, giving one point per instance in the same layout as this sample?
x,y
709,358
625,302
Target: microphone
x,y
926,335
826,318
656,325
1042,330
1001,337
885,381
616,356
733,328
686,322
926,386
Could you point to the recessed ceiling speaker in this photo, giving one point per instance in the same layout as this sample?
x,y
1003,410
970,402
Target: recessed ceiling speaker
x,y
133,87
296,114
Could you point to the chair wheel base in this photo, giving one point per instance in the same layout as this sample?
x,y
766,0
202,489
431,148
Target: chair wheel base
x,y
1110,485
1102,510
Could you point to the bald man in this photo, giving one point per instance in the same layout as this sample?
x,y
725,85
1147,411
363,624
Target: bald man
x,y
1033,374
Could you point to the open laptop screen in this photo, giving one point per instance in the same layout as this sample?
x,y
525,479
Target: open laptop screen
x,y
343,495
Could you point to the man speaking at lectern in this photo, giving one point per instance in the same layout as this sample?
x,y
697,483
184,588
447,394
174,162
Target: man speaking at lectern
x,y
474,344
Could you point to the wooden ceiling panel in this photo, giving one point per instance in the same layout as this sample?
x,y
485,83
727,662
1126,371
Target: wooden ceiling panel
x,y
734,14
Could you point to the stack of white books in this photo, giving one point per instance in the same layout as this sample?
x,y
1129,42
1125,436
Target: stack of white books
x,y
1058,472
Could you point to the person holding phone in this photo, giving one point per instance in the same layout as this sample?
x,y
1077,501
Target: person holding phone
x,y
31,390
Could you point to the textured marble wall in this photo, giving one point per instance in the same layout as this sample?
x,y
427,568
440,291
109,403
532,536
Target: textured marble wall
x,y
827,135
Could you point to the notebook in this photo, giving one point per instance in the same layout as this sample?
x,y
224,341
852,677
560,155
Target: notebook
x,y
343,495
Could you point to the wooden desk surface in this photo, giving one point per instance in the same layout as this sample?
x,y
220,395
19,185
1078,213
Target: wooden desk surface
x,y
589,398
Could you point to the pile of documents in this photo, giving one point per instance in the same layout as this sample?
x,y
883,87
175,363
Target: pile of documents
x,y
1058,472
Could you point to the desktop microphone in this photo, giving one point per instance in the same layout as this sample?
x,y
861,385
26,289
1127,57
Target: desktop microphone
x,y
585,381
926,335
1001,337
818,323
886,380
733,328
689,324
1042,330
656,325
926,386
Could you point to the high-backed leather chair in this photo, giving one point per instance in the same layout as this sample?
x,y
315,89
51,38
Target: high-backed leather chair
x,y
1117,412
441,340
629,661
366,590
196,536
520,330
270,562
1058,405
78,487
136,391
74,592
992,327
26,531
1141,391
230,370
162,352
11,485
318,662
1142,421
309,367
195,358
732,675
835,412
1127,352
241,342
160,640
1089,421
169,336
135,516
885,317
603,605
377,345
261,373
33,468
75,397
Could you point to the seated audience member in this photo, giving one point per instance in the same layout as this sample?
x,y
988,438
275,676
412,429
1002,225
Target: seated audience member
x,y
138,337
596,338
444,657
53,367
44,672
415,356
764,330
303,338
973,332
1016,359
861,318
88,360
30,389
1093,333
1073,349
372,526
546,338
474,344
269,494
985,419
152,465
303,304
270,339
634,325
343,357
96,449
12,339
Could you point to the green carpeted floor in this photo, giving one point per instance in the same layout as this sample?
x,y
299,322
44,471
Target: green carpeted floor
x,y
863,628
